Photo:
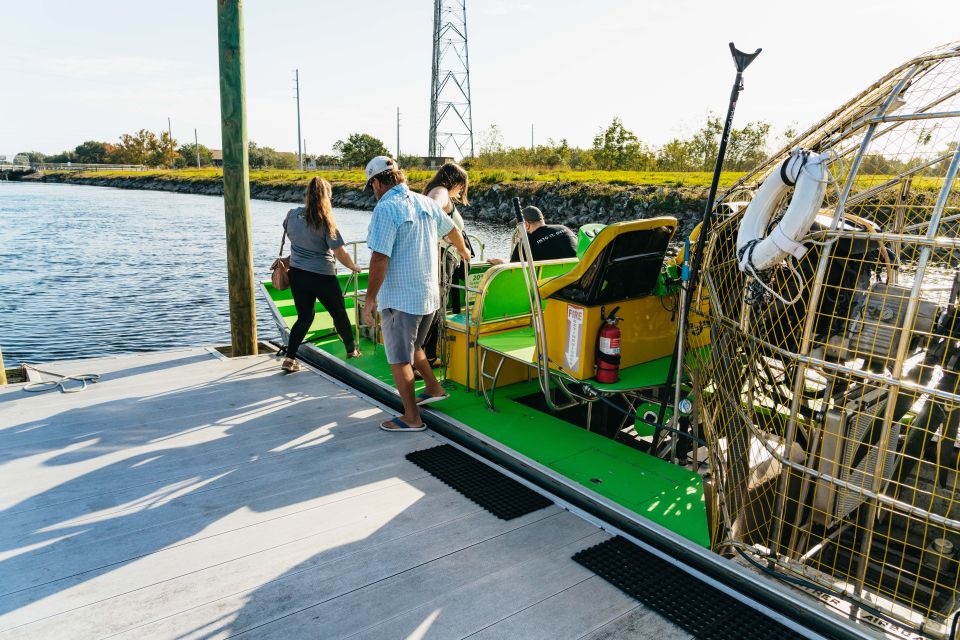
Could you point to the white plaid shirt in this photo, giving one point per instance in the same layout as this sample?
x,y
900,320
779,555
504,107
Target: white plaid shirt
x,y
405,227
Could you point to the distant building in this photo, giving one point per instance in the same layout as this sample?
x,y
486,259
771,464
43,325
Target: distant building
x,y
435,162
216,155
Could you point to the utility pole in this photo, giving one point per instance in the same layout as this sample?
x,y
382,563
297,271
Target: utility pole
x,y
398,134
236,179
305,154
196,146
296,79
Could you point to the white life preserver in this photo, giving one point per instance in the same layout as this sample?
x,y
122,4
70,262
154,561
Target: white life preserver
x,y
804,171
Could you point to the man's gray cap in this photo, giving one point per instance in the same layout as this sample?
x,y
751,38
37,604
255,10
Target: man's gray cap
x,y
532,214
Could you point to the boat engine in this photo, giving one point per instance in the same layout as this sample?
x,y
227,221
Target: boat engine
x,y
852,427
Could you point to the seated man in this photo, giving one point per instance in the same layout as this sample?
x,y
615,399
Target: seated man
x,y
547,241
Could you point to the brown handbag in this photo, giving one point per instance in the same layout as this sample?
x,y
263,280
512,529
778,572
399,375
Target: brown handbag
x,y
280,279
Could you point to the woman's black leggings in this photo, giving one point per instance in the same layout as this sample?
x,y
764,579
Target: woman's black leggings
x,y
308,287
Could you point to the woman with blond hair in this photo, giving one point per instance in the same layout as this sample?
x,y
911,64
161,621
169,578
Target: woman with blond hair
x,y
314,243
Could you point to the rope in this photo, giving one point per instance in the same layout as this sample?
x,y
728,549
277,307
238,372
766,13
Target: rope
x,y
60,382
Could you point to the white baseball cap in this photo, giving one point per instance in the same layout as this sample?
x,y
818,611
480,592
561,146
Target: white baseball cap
x,y
377,166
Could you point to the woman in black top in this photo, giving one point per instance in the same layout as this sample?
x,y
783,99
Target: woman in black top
x,y
314,243
448,188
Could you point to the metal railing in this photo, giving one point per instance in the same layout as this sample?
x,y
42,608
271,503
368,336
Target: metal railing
x,y
74,166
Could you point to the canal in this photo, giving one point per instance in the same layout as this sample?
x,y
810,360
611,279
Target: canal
x,y
95,271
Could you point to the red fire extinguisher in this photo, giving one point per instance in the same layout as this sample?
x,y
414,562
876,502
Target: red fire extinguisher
x,y
608,349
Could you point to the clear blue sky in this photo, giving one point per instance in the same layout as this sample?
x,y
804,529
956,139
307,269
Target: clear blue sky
x,y
75,71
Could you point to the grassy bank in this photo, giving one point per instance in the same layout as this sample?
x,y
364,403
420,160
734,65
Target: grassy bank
x,y
355,177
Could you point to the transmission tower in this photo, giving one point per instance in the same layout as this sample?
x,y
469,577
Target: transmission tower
x,y
451,114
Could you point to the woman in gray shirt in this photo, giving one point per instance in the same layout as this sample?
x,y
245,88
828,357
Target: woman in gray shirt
x,y
314,243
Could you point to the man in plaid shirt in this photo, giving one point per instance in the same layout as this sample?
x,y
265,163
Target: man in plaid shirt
x,y
403,282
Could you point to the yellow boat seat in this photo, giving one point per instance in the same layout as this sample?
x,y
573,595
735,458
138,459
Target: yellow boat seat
x,y
621,268
622,262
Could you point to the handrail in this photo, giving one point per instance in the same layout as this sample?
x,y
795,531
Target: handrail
x,y
536,316
76,166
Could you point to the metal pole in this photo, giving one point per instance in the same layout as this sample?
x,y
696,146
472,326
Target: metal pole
x,y
466,64
434,80
299,148
398,134
531,136
742,61
196,146
169,133
236,179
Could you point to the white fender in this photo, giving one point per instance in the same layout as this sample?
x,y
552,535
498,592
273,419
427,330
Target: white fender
x,y
805,170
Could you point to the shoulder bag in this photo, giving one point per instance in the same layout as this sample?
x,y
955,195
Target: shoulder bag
x,y
280,279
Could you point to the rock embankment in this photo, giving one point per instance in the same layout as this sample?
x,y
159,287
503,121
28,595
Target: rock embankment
x,y
571,204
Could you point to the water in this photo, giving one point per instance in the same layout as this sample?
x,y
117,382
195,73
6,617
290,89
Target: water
x,y
94,271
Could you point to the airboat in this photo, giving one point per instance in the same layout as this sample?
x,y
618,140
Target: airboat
x,y
786,419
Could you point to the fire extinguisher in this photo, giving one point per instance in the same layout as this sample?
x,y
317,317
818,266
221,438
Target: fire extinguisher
x,y
608,349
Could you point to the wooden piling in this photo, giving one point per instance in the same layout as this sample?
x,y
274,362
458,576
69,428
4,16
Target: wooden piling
x,y
236,178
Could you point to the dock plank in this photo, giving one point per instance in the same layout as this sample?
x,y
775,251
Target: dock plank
x,y
487,596
190,496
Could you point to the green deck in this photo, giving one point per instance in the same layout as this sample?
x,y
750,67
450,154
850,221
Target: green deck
x,y
666,494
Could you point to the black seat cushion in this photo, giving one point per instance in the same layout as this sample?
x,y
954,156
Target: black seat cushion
x,y
627,268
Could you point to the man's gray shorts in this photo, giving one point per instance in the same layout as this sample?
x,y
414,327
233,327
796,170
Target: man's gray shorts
x,y
403,333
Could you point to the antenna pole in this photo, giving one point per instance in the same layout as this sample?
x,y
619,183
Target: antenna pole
x,y
296,79
689,276
451,111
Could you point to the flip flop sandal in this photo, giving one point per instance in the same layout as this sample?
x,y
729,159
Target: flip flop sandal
x,y
426,398
399,425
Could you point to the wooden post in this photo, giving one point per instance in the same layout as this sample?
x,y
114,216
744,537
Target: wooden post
x,y
236,178
3,371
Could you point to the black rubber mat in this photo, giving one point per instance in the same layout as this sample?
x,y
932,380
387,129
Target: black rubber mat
x,y
695,606
502,496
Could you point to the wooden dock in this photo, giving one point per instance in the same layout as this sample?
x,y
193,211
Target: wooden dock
x,y
187,495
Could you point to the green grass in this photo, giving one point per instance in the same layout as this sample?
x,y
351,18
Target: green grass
x,y
486,177
355,177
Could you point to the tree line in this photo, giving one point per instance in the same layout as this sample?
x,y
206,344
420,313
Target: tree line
x,y
145,147
617,148
614,148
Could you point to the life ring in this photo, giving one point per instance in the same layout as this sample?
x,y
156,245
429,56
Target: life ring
x,y
804,171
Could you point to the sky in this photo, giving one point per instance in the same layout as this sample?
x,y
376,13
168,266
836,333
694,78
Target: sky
x,y
75,71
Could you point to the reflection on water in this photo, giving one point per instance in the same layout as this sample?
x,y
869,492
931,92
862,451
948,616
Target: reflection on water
x,y
91,271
